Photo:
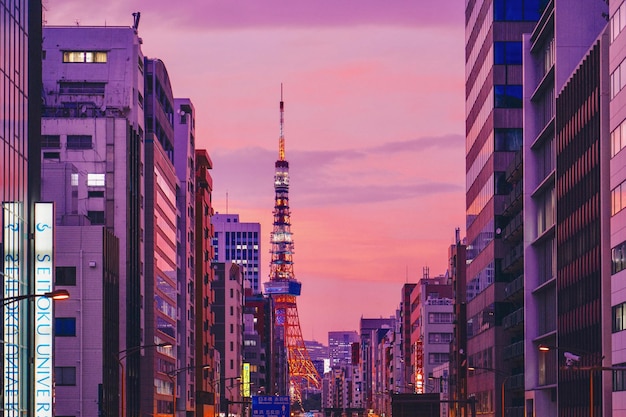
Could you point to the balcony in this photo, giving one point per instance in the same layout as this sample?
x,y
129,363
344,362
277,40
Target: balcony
x,y
513,202
514,411
513,260
515,169
514,319
514,351
514,229
514,288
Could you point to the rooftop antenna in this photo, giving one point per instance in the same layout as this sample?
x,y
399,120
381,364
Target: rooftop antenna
x,y
226,202
136,17
281,140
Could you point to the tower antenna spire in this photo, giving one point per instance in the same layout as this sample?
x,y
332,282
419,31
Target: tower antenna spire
x,y
281,140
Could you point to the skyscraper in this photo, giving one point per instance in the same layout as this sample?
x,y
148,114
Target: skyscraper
x,y
238,242
493,62
20,89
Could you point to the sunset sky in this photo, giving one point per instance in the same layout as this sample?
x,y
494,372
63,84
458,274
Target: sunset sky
x,y
374,129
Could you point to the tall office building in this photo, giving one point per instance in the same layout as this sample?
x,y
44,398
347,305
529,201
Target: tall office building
x,y
369,329
93,132
340,346
617,61
20,89
238,242
493,96
566,210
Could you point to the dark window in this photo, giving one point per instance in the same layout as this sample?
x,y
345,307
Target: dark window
x,y
79,142
50,142
618,260
65,275
65,375
81,88
508,140
518,10
619,318
507,53
508,96
95,194
619,378
96,217
65,326
51,155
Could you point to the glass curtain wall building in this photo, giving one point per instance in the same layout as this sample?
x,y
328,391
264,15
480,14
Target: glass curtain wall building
x,y
20,79
493,58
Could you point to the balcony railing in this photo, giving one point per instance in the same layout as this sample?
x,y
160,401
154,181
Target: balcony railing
x,y
514,319
514,287
514,350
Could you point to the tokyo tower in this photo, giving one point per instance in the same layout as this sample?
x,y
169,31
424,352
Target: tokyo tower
x,y
283,288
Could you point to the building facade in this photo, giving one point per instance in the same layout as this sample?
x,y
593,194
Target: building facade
x,y
565,137
239,243
493,126
93,130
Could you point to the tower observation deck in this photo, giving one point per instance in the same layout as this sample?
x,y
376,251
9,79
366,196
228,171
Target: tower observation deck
x,y
283,288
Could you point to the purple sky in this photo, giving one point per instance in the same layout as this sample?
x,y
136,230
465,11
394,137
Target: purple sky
x,y
374,128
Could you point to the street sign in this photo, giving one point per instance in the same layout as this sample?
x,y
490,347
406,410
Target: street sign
x,y
270,406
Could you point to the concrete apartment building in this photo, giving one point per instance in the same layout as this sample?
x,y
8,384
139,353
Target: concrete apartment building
x,y
238,242
565,208
228,288
432,317
205,342
93,133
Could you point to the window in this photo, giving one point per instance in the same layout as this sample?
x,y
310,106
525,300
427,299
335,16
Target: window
x,y
618,198
65,375
619,378
51,155
95,194
439,338
618,258
619,318
74,180
508,140
90,57
507,96
440,317
65,275
50,142
95,180
79,142
96,217
73,87
507,53
518,10
64,326
434,358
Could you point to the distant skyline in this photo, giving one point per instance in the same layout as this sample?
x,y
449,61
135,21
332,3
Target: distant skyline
x,y
374,129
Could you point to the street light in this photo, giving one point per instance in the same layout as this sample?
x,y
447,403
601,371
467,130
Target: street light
x,y
572,359
54,295
173,374
124,353
497,372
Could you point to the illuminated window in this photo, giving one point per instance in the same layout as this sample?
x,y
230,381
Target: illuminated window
x,y
90,57
95,180
65,375
75,180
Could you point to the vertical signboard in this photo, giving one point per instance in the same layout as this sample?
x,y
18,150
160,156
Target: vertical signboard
x,y
44,266
245,380
13,357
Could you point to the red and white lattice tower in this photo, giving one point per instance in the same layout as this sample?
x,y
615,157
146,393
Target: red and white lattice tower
x,y
283,287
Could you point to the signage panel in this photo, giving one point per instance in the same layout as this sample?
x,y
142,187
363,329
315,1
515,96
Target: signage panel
x,y
270,405
14,365
44,267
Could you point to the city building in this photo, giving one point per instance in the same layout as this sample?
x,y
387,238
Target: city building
x,y
617,126
184,164
20,89
259,308
457,385
205,342
406,382
228,288
369,330
238,242
566,211
432,318
340,346
493,129
93,143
